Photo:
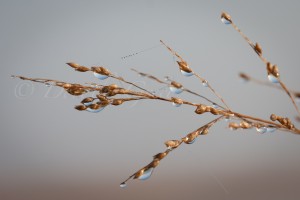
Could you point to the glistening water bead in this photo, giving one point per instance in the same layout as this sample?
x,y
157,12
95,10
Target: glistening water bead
x,y
146,174
100,76
94,110
47,84
176,104
271,129
184,73
123,185
175,90
261,129
225,21
205,83
272,79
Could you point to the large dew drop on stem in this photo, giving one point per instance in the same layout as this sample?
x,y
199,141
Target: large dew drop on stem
x,y
261,129
184,73
272,79
175,90
94,110
146,174
205,83
123,185
100,76
271,129
176,104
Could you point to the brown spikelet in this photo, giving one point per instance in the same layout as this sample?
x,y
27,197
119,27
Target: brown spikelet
x,y
80,107
72,64
226,16
258,49
82,69
172,144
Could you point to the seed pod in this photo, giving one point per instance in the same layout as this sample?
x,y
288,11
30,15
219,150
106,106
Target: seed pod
x,y
200,109
269,68
153,164
82,69
258,49
74,65
160,156
80,107
273,117
101,70
113,86
67,85
184,66
172,144
275,71
101,97
176,100
214,111
233,125
76,91
139,173
244,76
176,85
117,102
245,125
190,138
87,100
94,106
204,131
226,16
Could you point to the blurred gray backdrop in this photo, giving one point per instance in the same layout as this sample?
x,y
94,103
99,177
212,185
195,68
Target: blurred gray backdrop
x,y
48,150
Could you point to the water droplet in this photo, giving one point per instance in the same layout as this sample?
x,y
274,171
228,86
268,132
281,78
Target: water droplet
x,y
214,105
225,21
47,84
227,119
271,129
88,103
261,129
205,83
12,77
146,174
175,90
100,76
176,104
272,79
123,185
191,142
184,73
94,110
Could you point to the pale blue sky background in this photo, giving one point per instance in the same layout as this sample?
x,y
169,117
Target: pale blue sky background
x,y
48,148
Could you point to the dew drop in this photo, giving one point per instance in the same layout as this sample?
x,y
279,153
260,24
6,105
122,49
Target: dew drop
x,y
272,79
88,103
12,77
225,21
100,76
175,90
271,129
227,119
94,110
261,129
184,73
176,104
47,84
214,105
146,174
123,185
205,83
191,142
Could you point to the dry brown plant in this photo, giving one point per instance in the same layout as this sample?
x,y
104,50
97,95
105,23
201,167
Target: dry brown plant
x,y
107,95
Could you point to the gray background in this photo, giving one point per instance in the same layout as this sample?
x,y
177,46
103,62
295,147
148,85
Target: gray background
x,y
48,150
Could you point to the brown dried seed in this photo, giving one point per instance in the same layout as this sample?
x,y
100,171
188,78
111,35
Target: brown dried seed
x,y
87,100
117,102
80,107
190,137
214,111
204,131
172,144
245,125
82,69
94,106
74,65
176,100
273,117
161,155
113,86
139,173
269,68
184,66
275,71
233,125
226,16
200,109
244,76
153,164
67,85
101,97
258,49
176,85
